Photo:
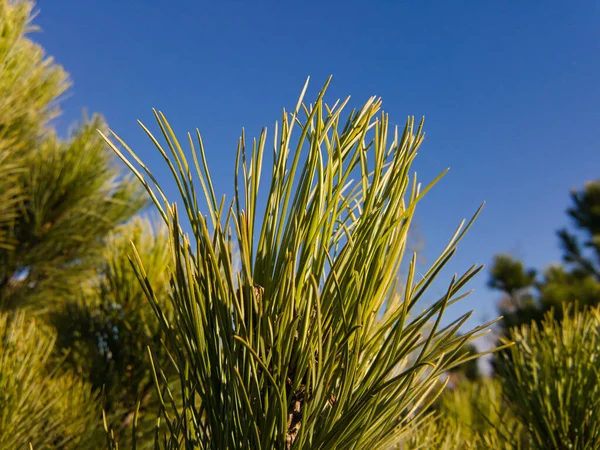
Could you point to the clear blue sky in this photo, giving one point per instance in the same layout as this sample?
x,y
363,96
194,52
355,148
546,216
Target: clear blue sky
x,y
510,91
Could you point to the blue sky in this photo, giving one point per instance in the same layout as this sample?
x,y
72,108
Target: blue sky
x,y
509,90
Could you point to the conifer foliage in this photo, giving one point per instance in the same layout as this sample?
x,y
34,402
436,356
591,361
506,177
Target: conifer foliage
x,y
60,200
308,345
552,379
59,197
40,403
232,325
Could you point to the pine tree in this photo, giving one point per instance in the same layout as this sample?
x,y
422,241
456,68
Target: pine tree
x,y
105,333
40,403
526,297
62,203
29,84
517,284
584,257
60,197
551,377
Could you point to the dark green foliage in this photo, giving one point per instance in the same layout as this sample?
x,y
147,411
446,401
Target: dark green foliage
x,y
106,332
517,284
562,286
585,213
510,276
527,298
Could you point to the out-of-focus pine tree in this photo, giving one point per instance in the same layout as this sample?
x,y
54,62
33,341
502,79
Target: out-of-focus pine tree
x,y
105,333
59,197
526,298
62,202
